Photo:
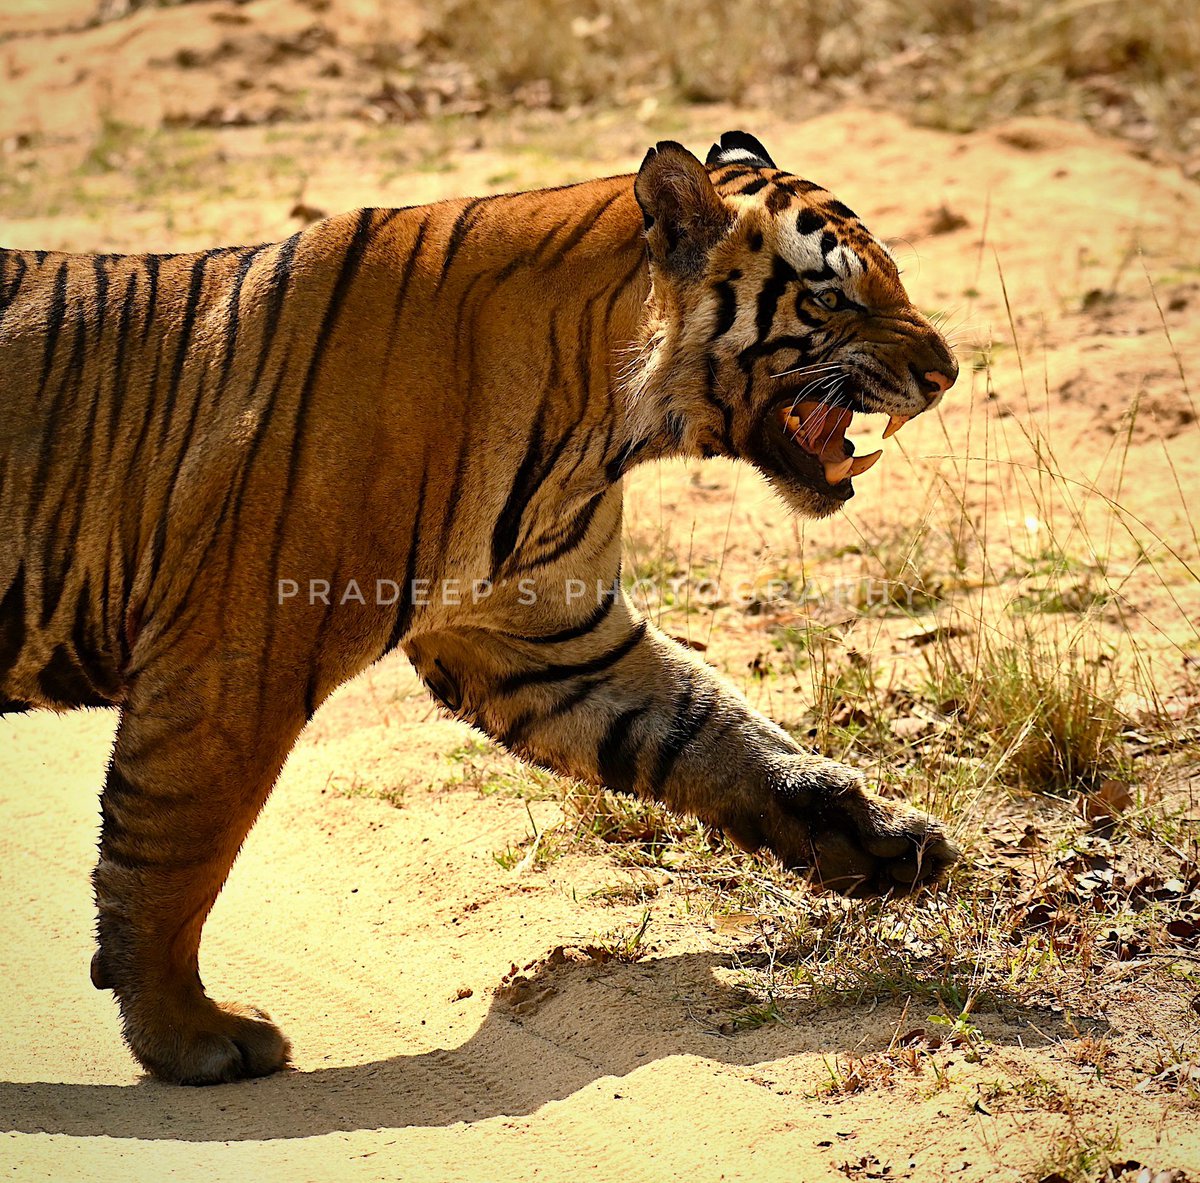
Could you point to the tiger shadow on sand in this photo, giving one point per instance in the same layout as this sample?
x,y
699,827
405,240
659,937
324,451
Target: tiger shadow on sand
x,y
561,1024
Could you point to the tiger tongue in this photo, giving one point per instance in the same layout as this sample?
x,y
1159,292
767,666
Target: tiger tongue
x,y
823,430
823,434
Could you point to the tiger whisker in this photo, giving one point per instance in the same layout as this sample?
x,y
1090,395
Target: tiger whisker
x,y
833,382
816,367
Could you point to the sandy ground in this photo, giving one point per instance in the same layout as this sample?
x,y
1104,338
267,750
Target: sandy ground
x,y
367,912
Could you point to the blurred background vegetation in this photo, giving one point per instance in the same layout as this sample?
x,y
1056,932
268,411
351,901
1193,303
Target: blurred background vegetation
x,y
1130,69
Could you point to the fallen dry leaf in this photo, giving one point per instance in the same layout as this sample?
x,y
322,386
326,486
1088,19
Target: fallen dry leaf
x,y
1106,803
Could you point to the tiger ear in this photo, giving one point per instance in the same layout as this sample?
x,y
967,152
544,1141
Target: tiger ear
x,y
683,213
739,147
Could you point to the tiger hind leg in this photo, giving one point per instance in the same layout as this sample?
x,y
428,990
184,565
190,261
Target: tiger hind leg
x,y
178,801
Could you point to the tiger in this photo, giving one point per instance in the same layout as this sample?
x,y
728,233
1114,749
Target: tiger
x,y
414,397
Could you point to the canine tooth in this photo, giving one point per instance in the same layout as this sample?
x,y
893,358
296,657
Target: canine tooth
x,y
793,423
895,422
838,470
860,464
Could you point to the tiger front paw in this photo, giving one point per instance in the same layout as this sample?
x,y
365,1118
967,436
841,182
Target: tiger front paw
x,y
822,820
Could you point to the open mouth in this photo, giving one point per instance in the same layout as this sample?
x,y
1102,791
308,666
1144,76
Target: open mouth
x,y
819,431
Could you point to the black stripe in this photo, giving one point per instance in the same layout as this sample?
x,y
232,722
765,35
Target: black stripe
x,y
150,396
574,536
613,531
56,565
404,610
464,381
47,452
585,224
581,356
782,273
732,172
54,323
351,261
235,314
119,789
278,288
638,269
806,318
592,621
64,683
561,673
753,187
458,232
624,459
820,274
57,546
711,387
349,269
181,455
443,686
10,287
79,480
779,198
124,843
126,623
406,275
726,307
382,218
116,395
12,622
195,286
536,466
92,661
152,263
533,257
691,717
617,755
100,268
519,729
809,221
265,419
411,262
802,344
524,483
281,277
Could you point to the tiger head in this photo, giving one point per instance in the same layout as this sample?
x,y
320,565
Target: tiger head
x,y
774,317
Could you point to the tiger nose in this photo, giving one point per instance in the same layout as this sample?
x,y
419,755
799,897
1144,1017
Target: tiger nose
x,y
933,383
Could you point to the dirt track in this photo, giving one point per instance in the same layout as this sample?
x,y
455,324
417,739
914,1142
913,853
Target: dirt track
x,y
358,924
